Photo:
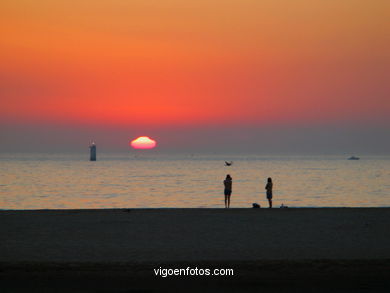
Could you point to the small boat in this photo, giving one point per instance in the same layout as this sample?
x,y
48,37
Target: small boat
x,y
353,158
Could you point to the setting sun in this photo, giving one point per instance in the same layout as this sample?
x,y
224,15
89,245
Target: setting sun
x,y
143,142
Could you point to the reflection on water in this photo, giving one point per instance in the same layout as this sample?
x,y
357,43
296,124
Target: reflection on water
x,y
33,181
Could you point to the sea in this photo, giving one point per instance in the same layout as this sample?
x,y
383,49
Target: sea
x,y
148,180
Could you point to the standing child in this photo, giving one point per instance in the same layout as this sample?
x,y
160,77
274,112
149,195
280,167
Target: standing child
x,y
228,190
268,187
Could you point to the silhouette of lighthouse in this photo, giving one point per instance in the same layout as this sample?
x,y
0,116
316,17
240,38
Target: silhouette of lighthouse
x,y
92,152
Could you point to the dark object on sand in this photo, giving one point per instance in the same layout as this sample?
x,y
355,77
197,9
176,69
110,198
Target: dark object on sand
x,y
92,152
255,205
283,206
228,163
353,158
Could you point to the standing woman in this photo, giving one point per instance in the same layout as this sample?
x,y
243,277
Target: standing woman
x,y
228,190
268,187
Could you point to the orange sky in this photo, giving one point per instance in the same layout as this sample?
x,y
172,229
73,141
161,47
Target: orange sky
x,y
194,62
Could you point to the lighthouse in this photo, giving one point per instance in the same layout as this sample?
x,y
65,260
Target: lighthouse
x,y
92,152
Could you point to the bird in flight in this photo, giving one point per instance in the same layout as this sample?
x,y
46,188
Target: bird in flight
x,y
228,163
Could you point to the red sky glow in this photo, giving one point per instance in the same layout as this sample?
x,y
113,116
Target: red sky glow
x,y
196,63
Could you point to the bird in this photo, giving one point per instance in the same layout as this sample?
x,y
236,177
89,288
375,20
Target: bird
x,y
228,163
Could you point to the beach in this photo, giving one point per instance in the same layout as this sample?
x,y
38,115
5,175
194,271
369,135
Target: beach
x,y
120,248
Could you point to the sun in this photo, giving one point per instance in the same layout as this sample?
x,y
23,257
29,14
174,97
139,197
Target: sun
x,y
143,142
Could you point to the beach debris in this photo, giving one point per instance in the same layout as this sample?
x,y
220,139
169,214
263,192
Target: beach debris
x,y
92,152
255,205
228,163
283,206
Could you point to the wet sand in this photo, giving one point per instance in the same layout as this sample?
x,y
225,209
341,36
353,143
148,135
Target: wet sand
x,y
117,250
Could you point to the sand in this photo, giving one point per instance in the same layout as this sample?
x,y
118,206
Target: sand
x,y
286,245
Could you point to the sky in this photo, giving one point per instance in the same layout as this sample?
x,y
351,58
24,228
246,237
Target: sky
x,y
308,76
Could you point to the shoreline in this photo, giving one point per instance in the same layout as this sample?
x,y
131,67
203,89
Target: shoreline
x,y
191,208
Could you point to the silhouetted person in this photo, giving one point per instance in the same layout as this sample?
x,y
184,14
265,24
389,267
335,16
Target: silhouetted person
x,y
228,190
268,187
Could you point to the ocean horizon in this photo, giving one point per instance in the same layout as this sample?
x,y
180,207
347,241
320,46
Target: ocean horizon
x,y
150,180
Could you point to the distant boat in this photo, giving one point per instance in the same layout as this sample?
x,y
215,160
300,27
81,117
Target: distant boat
x,y
353,158
228,163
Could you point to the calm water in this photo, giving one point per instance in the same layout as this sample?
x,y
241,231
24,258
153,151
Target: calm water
x,y
32,181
